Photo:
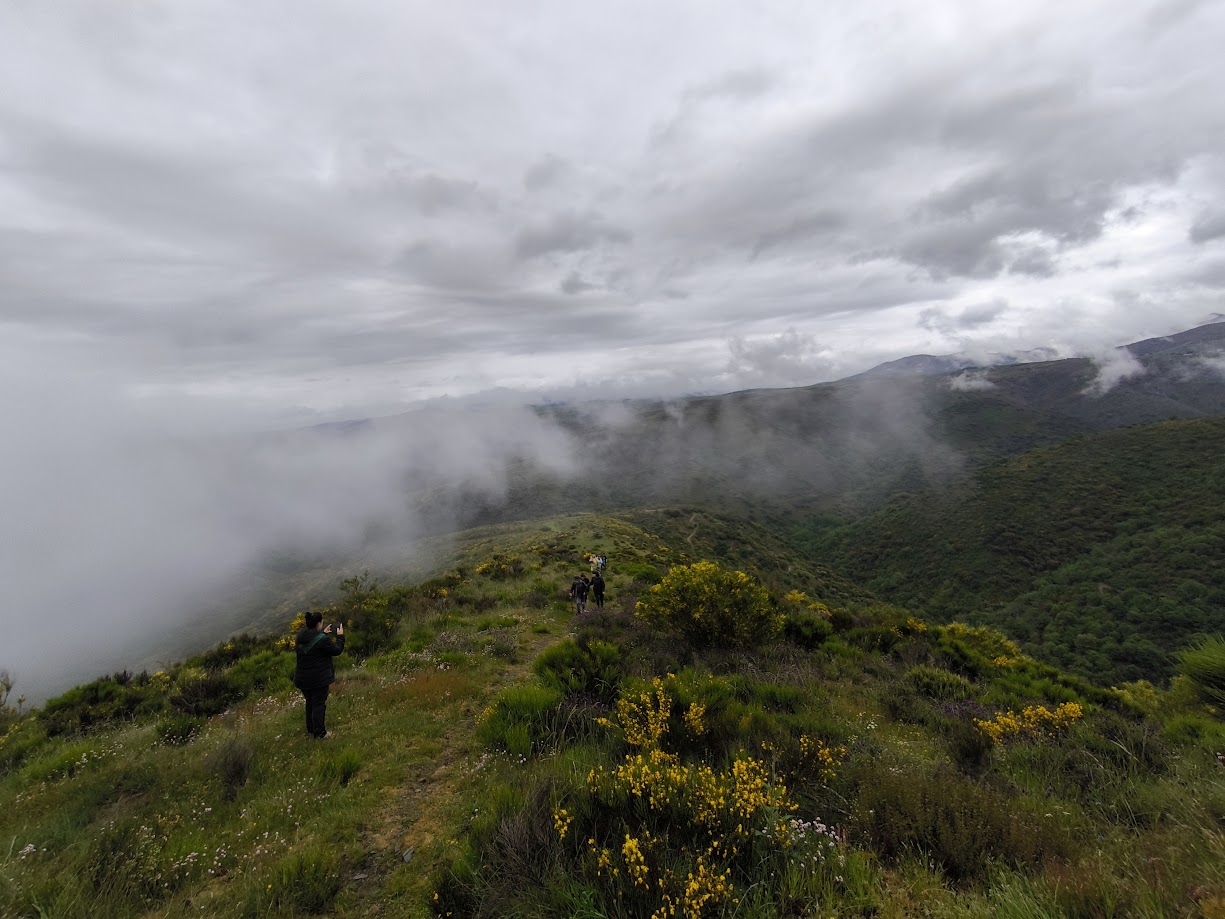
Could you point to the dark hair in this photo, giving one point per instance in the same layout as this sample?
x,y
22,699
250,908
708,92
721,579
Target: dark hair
x,y
313,619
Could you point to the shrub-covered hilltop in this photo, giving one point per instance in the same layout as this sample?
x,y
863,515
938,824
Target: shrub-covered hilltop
x,y
772,742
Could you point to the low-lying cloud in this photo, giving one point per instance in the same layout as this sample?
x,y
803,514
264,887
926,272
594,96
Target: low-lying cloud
x,y
971,381
1112,367
121,524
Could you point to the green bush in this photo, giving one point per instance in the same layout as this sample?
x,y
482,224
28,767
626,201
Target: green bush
x,y
178,730
1204,665
231,652
522,721
878,638
263,670
199,692
806,630
1190,729
105,700
231,762
573,669
940,684
711,606
959,824
20,742
968,746
640,571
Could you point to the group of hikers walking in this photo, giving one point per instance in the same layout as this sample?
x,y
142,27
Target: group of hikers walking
x,y
582,587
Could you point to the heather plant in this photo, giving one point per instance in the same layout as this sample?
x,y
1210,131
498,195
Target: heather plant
x,y
711,606
198,692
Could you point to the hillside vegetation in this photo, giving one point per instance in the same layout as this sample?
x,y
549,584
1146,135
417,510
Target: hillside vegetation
x,y
1101,554
497,755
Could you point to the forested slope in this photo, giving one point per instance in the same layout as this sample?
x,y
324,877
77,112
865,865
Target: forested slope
x,y
1102,553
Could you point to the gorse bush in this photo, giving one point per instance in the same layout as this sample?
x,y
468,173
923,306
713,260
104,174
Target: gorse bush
x,y
1033,723
711,606
658,834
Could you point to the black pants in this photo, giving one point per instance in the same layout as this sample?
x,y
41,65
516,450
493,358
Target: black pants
x,y
316,709
599,599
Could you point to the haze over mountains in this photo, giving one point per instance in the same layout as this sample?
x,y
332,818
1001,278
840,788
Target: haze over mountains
x,y
290,514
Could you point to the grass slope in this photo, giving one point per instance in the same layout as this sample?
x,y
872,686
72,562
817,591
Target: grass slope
x,y
1101,554
837,771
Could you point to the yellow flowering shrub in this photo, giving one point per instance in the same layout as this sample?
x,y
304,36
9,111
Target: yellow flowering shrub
x,y
824,758
499,567
710,605
685,829
562,821
1033,723
988,642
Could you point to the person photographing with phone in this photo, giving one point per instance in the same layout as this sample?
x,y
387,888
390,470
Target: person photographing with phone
x,y
315,646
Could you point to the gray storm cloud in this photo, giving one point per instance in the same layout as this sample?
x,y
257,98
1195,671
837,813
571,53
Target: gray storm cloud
x,y
262,214
298,197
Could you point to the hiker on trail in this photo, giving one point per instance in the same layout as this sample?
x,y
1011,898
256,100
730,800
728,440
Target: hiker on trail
x,y
578,593
597,590
315,647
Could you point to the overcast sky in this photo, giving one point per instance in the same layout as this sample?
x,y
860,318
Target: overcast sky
x,y
314,209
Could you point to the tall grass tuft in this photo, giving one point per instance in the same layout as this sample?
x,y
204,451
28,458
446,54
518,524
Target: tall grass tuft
x,y
1204,665
341,767
305,883
231,763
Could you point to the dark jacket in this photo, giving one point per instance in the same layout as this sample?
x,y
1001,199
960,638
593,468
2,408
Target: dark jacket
x,y
315,666
597,585
578,589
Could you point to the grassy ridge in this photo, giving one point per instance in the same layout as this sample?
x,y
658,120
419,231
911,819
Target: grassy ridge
x,y
483,740
1100,553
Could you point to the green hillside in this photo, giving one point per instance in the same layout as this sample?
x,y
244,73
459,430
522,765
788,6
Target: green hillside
x,y
1101,554
782,745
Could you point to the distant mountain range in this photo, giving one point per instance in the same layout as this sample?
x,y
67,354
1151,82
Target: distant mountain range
x,y
934,364
1210,333
849,445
